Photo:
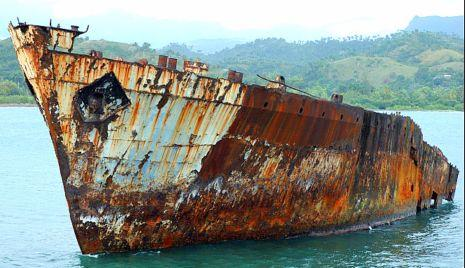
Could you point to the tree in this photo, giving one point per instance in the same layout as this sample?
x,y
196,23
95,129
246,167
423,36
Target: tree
x,y
8,88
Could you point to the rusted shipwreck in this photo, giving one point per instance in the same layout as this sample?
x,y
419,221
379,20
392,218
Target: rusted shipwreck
x,y
152,157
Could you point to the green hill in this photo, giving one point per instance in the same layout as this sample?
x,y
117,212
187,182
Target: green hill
x,y
131,52
439,56
405,70
376,71
455,66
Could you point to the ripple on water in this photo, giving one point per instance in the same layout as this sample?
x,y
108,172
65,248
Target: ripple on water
x,y
35,230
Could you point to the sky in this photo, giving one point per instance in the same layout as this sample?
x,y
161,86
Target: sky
x,y
160,23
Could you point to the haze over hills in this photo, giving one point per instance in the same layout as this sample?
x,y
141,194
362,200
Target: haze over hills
x,y
449,25
208,37
210,46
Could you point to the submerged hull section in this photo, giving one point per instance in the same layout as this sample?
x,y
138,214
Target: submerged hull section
x,y
154,158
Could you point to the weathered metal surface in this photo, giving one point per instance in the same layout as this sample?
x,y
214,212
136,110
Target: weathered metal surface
x,y
235,77
337,97
196,67
189,159
172,63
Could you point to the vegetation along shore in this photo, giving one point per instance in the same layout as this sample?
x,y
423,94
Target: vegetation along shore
x,y
402,71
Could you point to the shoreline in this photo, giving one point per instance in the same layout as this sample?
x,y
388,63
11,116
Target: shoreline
x,y
18,105
416,110
2,105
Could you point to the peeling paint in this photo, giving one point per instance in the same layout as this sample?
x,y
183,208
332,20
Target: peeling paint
x,y
160,158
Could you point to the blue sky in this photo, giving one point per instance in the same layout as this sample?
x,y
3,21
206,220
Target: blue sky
x,y
160,23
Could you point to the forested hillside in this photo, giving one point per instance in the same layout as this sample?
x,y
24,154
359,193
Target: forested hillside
x,y
405,70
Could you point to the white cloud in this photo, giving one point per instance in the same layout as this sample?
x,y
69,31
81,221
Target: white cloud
x,y
337,17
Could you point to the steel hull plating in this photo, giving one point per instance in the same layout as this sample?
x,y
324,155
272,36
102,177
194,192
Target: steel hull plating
x,y
191,159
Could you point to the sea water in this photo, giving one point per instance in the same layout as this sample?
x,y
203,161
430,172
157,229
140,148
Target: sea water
x,y
35,229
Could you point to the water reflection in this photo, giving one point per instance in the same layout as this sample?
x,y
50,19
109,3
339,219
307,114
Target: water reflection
x,y
417,240
35,228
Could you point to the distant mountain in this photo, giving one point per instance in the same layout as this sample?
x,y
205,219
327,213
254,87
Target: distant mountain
x,y
210,46
404,70
448,25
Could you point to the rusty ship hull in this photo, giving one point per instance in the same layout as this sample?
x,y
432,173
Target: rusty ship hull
x,y
152,157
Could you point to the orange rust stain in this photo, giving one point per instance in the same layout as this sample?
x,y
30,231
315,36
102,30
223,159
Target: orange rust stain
x,y
134,114
404,180
198,124
88,177
91,246
277,221
154,123
232,228
340,204
270,170
65,127
96,139
168,241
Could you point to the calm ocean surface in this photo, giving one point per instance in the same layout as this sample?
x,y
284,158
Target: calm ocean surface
x,y
35,229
